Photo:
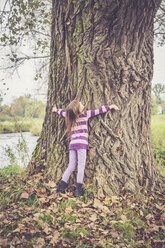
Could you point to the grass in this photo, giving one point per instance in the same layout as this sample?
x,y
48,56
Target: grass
x,y
11,171
36,126
158,140
21,125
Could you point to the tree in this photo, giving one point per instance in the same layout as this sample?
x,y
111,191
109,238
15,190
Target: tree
x,y
34,109
159,30
28,22
102,53
163,107
25,20
24,36
154,106
158,89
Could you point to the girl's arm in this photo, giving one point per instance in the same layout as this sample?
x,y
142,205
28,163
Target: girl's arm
x,y
101,110
61,112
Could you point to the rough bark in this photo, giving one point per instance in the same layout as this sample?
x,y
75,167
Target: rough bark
x,y
102,53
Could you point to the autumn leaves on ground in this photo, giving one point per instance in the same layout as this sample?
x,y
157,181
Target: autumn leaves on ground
x,y
34,215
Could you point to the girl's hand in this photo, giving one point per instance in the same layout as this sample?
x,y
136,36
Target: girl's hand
x,y
113,106
54,109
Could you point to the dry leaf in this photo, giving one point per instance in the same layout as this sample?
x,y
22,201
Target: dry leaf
x,y
114,198
93,217
107,199
113,234
123,217
162,218
149,216
24,195
43,200
98,204
68,209
39,243
51,184
54,240
47,230
3,242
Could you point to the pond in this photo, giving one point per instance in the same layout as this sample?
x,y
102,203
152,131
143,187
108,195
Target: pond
x,y
16,147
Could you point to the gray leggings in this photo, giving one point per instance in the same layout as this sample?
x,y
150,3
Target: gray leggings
x,y
75,155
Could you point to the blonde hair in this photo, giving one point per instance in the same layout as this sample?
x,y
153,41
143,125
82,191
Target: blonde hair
x,y
72,113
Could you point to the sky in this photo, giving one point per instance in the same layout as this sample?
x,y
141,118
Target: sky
x,y
21,83
159,65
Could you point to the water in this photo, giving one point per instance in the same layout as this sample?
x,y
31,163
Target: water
x,y
12,140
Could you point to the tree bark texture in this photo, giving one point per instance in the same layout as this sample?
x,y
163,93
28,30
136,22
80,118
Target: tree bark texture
x,y
102,53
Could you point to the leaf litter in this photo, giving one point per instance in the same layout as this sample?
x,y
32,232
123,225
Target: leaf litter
x,y
33,215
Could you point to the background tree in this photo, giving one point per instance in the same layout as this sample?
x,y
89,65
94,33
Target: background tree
x,y
154,106
24,36
163,107
159,27
25,106
102,53
158,89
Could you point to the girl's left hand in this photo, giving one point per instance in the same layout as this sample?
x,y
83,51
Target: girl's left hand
x,y
54,109
113,106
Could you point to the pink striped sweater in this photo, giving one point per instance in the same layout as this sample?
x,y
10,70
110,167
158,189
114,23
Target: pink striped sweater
x,y
79,132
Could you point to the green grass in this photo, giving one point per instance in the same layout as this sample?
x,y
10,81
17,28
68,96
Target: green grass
x,y
158,140
75,234
21,125
127,229
36,126
66,203
11,171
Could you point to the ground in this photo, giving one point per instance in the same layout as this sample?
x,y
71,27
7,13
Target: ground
x,y
32,214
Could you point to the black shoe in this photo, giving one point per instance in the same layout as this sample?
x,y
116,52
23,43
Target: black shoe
x,y
79,190
61,186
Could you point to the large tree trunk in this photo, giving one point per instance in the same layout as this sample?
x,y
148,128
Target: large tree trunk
x,y
102,53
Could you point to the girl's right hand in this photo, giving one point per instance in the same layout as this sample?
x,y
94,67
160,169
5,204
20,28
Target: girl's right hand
x,y
113,106
54,109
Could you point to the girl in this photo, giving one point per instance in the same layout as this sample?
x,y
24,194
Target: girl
x,y
76,122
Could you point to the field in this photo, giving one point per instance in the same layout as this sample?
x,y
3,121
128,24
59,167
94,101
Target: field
x,y
158,140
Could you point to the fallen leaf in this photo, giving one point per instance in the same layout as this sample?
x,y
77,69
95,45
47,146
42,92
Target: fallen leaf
x,y
24,195
106,209
39,243
93,217
114,198
98,204
68,209
16,240
3,242
162,218
43,200
123,217
54,240
107,199
149,216
47,230
51,184
113,234
67,240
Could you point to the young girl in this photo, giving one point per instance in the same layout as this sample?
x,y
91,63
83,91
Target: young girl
x,y
76,121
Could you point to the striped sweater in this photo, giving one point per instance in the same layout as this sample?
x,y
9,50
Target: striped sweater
x,y
79,132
